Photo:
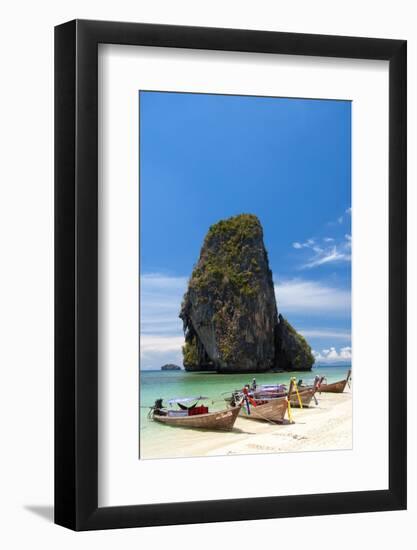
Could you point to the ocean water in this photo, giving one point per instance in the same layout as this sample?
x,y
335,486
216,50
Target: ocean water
x,y
170,384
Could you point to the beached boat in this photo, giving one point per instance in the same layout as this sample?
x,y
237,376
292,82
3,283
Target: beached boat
x,y
269,410
264,407
335,387
305,395
306,392
302,393
194,416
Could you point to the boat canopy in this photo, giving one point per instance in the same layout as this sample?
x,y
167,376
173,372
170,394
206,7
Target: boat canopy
x,y
185,399
271,386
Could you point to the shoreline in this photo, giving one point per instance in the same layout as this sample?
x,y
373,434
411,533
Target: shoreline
x,y
251,374
327,426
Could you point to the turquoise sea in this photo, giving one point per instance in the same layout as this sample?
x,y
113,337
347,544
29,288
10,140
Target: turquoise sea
x,y
170,384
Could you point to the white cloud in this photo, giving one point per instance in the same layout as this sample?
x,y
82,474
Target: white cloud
x,y
333,356
309,243
348,241
304,296
155,353
161,296
327,250
152,343
160,303
341,219
326,256
162,282
161,335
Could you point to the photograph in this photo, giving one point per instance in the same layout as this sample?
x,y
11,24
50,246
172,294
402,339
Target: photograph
x,y
245,275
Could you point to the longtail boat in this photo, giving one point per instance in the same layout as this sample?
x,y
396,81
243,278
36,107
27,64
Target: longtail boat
x,y
193,416
335,387
264,408
302,393
306,393
305,396
269,410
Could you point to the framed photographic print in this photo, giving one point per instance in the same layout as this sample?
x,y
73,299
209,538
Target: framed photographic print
x,y
230,338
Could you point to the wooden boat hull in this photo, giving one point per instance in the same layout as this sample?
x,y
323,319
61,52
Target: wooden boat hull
x,y
271,411
306,396
335,387
218,420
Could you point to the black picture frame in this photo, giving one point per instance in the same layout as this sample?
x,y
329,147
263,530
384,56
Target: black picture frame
x,y
76,272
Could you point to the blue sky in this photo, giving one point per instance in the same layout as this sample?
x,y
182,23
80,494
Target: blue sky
x,y
208,157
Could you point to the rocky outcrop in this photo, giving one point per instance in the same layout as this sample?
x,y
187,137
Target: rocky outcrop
x,y
292,350
170,366
229,311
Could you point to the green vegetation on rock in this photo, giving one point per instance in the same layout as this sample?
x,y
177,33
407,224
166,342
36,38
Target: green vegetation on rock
x,y
293,351
225,259
229,311
190,353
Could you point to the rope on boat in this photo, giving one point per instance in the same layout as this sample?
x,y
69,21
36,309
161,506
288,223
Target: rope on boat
x,y
297,392
289,411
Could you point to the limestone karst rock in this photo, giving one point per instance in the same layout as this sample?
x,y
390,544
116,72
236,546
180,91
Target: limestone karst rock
x,y
292,350
229,311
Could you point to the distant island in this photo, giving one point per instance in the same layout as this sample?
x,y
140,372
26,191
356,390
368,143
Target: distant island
x,y
229,311
170,366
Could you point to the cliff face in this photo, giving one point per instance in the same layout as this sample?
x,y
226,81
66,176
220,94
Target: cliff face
x,y
292,350
229,311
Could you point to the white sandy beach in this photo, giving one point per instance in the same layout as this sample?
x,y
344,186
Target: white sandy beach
x,y
327,426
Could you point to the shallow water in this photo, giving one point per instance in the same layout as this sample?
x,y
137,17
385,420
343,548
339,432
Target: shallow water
x,y
170,384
